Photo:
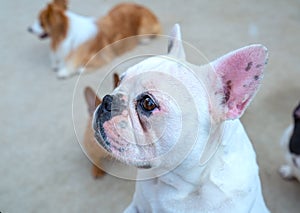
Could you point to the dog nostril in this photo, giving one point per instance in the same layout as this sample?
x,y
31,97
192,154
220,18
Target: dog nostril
x,y
29,29
107,101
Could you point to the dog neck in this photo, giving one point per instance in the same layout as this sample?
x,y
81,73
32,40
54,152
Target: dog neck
x,y
226,161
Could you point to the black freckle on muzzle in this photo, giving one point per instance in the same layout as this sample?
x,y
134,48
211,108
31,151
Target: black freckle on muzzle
x,y
146,166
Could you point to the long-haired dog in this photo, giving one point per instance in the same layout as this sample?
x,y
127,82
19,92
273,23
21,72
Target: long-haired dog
x,y
76,39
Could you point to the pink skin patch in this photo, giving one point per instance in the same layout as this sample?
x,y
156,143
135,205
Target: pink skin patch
x,y
241,72
133,139
115,135
122,139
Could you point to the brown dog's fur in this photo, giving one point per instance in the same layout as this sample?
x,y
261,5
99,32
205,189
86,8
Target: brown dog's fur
x,y
123,21
94,151
54,22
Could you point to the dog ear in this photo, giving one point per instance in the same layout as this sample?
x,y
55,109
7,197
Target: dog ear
x,y
116,80
175,47
63,4
57,24
240,73
92,100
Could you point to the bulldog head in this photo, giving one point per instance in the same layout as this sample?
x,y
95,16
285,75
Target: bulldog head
x,y
164,107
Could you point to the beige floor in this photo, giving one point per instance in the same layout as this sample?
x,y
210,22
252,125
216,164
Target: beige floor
x,y
42,168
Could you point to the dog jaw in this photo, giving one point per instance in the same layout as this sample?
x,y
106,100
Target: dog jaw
x,y
37,29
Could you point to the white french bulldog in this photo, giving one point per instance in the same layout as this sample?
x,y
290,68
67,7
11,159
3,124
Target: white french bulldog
x,y
179,124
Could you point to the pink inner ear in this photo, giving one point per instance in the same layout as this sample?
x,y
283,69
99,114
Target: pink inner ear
x,y
241,72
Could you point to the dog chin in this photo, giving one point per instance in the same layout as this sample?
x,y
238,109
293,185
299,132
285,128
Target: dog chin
x,y
102,140
144,166
137,164
44,36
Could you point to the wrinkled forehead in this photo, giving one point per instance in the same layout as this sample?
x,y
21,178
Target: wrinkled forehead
x,y
156,72
161,63
165,78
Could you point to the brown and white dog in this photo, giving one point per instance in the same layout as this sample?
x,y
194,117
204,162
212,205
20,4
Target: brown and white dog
x,y
75,39
95,152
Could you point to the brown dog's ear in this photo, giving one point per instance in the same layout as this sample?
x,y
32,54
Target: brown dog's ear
x,y
92,100
58,25
116,80
63,4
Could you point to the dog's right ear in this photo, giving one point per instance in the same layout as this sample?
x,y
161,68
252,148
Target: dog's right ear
x,y
92,100
175,47
63,4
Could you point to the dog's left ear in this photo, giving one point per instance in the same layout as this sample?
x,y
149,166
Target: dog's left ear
x,y
92,100
240,73
116,80
175,47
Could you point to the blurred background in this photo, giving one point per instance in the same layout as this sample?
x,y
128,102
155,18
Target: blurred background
x,y
42,166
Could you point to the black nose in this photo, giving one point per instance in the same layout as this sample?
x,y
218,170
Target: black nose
x,y
30,29
106,103
103,112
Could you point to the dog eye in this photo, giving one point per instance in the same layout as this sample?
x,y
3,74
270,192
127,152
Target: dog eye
x,y
148,104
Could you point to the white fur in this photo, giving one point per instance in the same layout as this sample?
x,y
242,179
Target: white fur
x,y
289,169
203,189
210,165
80,30
36,28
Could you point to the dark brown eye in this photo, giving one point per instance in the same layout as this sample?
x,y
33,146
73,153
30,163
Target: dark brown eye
x,y
148,104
